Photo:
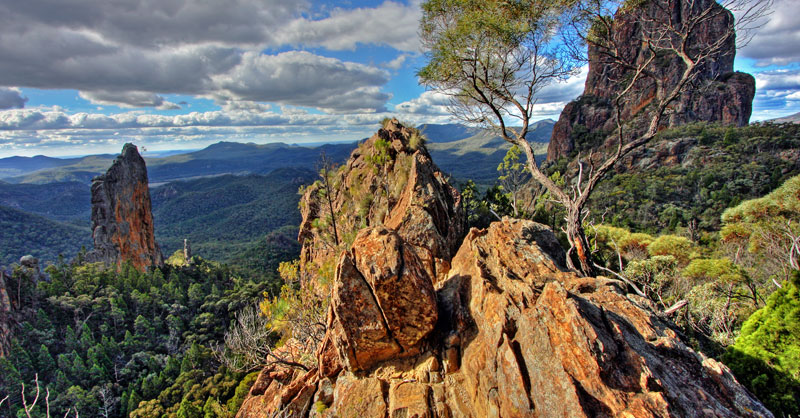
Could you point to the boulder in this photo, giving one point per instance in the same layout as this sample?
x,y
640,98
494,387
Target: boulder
x,y
383,301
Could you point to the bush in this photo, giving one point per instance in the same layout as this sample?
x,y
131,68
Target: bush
x,y
766,356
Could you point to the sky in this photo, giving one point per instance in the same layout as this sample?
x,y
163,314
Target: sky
x,y
82,77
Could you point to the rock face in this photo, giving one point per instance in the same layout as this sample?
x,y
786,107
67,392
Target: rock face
x,y
386,181
719,94
507,331
122,219
383,300
516,336
5,316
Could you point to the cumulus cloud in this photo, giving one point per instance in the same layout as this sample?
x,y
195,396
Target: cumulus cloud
x,y
391,23
11,98
428,103
777,42
131,53
154,23
304,79
129,99
777,92
397,63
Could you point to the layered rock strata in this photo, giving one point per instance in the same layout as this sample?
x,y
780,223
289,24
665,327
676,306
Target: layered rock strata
x,y
122,219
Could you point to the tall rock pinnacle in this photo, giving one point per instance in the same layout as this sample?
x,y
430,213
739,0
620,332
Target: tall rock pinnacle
x,y
122,220
718,95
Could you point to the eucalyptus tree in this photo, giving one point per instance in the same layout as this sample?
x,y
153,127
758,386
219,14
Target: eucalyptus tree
x,y
493,57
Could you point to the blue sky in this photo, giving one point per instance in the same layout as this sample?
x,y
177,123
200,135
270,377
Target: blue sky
x,y
84,76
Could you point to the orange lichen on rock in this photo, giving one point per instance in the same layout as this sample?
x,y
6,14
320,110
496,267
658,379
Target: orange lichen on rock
x,y
122,219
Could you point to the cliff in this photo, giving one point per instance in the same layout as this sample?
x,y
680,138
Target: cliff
x,y
122,219
5,316
503,330
718,95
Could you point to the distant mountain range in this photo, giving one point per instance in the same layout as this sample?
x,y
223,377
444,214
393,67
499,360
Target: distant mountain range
x,y
787,119
457,149
225,198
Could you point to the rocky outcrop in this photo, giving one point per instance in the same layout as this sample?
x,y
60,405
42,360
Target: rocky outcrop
x,y
504,331
386,181
516,336
5,316
383,300
122,219
718,95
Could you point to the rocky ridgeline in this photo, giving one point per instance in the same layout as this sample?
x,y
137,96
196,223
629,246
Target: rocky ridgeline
x,y
394,184
122,219
718,95
505,330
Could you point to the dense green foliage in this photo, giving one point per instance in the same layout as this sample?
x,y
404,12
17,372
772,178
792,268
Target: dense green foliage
x,y
723,167
766,356
128,342
224,216
22,233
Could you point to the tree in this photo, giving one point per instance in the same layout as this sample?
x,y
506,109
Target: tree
x,y
513,176
493,57
327,171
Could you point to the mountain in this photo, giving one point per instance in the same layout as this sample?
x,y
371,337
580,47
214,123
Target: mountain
x,y
216,159
717,93
60,201
795,118
458,148
25,233
447,132
16,166
225,215
476,157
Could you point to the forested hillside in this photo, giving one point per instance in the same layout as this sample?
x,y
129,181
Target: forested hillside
x,y
223,216
24,233
102,342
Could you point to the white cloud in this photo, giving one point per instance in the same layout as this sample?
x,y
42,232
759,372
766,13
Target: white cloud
x,y
775,91
391,23
397,63
428,103
129,99
777,42
303,79
131,53
11,98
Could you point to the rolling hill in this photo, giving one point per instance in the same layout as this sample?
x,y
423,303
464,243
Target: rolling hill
x,y
25,233
462,151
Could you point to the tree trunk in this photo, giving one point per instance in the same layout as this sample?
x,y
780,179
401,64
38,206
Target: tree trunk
x,y
579,244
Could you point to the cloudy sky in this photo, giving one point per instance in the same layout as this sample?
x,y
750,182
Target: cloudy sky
x,y
84,76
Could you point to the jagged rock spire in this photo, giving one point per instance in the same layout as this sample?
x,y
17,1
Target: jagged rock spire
x,y
122,219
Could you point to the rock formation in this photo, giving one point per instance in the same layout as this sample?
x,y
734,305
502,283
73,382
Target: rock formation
x,y
506,331
718,95
122,220
402,190
5,316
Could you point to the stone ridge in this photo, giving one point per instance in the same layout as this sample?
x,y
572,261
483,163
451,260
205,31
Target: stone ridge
x,y
719,95
494,328
122,218
516,336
